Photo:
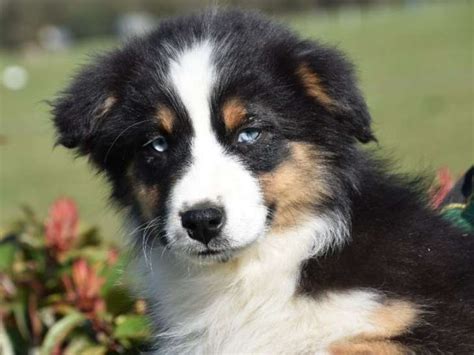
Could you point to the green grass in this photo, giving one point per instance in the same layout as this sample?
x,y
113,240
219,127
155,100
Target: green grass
x,y
415,67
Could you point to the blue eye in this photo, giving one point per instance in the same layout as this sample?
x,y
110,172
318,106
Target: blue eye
x,y
159,144
249,135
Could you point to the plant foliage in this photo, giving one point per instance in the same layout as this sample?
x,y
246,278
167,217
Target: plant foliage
x,y
61,290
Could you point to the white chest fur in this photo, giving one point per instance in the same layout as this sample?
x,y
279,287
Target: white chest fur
x,y
249,305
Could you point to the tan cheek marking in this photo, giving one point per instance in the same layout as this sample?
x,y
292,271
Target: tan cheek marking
x,y
166,119
369,348
314,88
106,106
146,196
234,113
295,185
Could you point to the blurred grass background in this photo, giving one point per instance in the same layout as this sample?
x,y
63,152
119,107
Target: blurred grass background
x,y
415,65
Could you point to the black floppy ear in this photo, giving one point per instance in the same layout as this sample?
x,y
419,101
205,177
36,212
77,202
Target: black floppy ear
x,y
79,110
329,78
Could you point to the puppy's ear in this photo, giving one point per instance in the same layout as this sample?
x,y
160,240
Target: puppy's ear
x,y
328,77
80,109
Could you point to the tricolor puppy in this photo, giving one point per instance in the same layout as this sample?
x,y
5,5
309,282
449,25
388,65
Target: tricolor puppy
x,y
260,224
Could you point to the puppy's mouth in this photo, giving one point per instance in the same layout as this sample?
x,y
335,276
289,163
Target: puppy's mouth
x,y
209,255
213,255
210,252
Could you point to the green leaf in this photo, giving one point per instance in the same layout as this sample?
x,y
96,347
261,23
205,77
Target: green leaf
x,y
19,312
7,255
58,332
131,327
94,350
118,300
90,237
113,275
454,214
116,295
468,213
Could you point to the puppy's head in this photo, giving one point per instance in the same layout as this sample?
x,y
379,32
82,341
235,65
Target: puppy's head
x,y
217,129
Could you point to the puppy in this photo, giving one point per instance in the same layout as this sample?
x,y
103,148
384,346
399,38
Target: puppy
x,y
260,224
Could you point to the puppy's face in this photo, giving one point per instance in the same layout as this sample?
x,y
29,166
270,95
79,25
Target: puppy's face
x,y
216,129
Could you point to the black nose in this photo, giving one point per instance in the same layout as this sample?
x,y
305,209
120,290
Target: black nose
x,y
203,224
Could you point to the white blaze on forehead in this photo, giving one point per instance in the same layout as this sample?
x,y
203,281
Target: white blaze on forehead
x,y
192,74
213,176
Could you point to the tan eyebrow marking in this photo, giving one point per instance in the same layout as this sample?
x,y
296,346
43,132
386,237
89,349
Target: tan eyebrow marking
x,y
313,85
234,113
166,118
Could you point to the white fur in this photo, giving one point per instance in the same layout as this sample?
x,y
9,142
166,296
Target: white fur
x,y
213,176
250,304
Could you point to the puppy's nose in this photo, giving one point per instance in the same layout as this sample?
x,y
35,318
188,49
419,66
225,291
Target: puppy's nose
x,y
203,224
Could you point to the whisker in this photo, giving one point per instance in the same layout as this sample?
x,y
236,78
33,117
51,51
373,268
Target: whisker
x,y
158,235
167,247
138,229
146,235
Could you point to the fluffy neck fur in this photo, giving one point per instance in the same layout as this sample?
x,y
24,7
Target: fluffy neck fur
x,y
219,307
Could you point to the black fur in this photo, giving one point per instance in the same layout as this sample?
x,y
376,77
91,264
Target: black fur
x,y
398,245
402,248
